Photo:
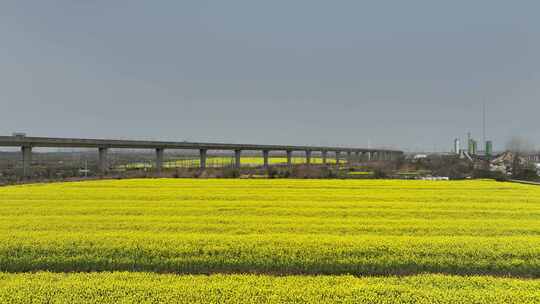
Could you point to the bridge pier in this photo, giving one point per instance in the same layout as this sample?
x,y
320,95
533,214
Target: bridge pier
x,y
103,164
237,156
349,157
289,158
324,156
159,159
266,154
203,156
308,157
337,157
26,161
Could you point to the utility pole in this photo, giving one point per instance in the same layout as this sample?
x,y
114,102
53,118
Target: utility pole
x,y
484,123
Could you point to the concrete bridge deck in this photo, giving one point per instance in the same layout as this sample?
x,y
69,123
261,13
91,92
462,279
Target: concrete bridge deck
x,y
27,143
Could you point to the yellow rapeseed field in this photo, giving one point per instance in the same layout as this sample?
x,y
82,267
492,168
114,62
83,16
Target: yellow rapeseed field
x,y
221,161
333,240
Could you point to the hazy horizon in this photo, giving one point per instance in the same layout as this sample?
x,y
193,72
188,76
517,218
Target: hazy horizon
x,y
411,75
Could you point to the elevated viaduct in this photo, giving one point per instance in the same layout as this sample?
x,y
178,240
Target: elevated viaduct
x,y
103,145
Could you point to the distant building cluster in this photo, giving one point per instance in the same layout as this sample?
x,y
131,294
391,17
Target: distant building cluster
x,y
473,148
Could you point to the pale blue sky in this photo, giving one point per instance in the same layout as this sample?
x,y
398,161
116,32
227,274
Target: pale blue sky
x,y
408,74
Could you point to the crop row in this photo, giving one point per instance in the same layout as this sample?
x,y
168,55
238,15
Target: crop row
x,y
154,288
283,254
